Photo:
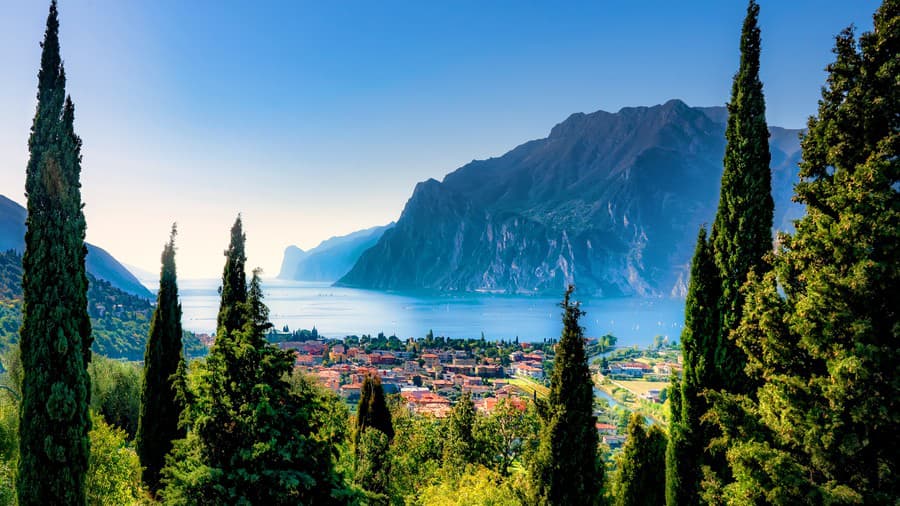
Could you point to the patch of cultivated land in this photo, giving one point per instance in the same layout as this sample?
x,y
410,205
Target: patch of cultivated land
x,y
530,386
639,387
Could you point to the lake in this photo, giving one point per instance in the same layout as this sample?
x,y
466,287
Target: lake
x,y
337,312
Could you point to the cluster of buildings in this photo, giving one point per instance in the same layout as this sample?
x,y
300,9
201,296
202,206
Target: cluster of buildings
x,y
642,370
428,381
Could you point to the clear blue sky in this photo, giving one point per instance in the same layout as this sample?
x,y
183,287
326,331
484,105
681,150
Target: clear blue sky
x,y
318,118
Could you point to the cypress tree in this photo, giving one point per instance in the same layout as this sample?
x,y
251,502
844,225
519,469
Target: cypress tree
x,y
371,440
461,448
56,333
372,411
742,231
566,468
253,440
161,411
641,475
233,294
821,329
685,455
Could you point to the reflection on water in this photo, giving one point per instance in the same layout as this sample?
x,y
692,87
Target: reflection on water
x,y
337,312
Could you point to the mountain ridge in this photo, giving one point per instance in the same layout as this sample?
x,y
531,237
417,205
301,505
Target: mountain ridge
x,y
331,258
609,201
98,262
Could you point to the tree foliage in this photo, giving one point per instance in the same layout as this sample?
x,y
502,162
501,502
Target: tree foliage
x,y
822,328
640,479
688,436
742,230
253,440
566,468
160,407
56,329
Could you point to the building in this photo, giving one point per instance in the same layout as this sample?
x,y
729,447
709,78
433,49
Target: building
x,y
527,371
606,429
489,371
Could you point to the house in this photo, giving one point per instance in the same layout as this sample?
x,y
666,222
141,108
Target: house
x,y
351,391
489,371
487,405
424,402
613,442
651,395
460,369
527,371
607,429
431,360
629,369
667,368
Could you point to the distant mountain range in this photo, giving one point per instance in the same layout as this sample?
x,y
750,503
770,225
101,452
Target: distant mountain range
x,y
331,259
608,201
99,263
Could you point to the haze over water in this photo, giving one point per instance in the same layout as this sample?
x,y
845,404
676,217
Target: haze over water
x,y
337,312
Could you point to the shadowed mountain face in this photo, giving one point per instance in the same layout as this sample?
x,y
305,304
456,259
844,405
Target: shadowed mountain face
x,y
609,201
99,263
331,259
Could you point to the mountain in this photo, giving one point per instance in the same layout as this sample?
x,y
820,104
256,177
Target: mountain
x,y
332,258
609,201
99,263
120,321
292,257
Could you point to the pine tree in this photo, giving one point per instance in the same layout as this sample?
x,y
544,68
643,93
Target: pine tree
x,y
821,329
56,333
688,437
566,469
742,231
161,411
641,476
253,440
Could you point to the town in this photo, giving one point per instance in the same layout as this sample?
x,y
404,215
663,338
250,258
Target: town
x,y
428,375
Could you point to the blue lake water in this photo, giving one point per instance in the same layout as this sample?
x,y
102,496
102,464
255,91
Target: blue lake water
x,y
337,312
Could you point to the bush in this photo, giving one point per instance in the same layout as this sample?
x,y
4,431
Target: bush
x,y
114,473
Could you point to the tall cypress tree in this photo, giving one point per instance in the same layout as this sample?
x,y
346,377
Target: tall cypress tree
x,y
158,425
371,440
821,330
253,440
372,411
56,333
742,231
566,468
233,293
460,447
641,475
685,455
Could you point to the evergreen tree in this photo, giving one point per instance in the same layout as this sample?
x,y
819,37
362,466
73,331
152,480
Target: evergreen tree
x,y
371,440
233,293
461,448
161,411
641,476
56,333
372,411
566,469
742,231
821,330
253,440
688,437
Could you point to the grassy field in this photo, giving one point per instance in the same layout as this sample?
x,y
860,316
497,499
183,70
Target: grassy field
x,y
640,387
530,386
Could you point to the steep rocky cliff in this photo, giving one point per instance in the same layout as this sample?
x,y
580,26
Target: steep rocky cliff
x,y
609,201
